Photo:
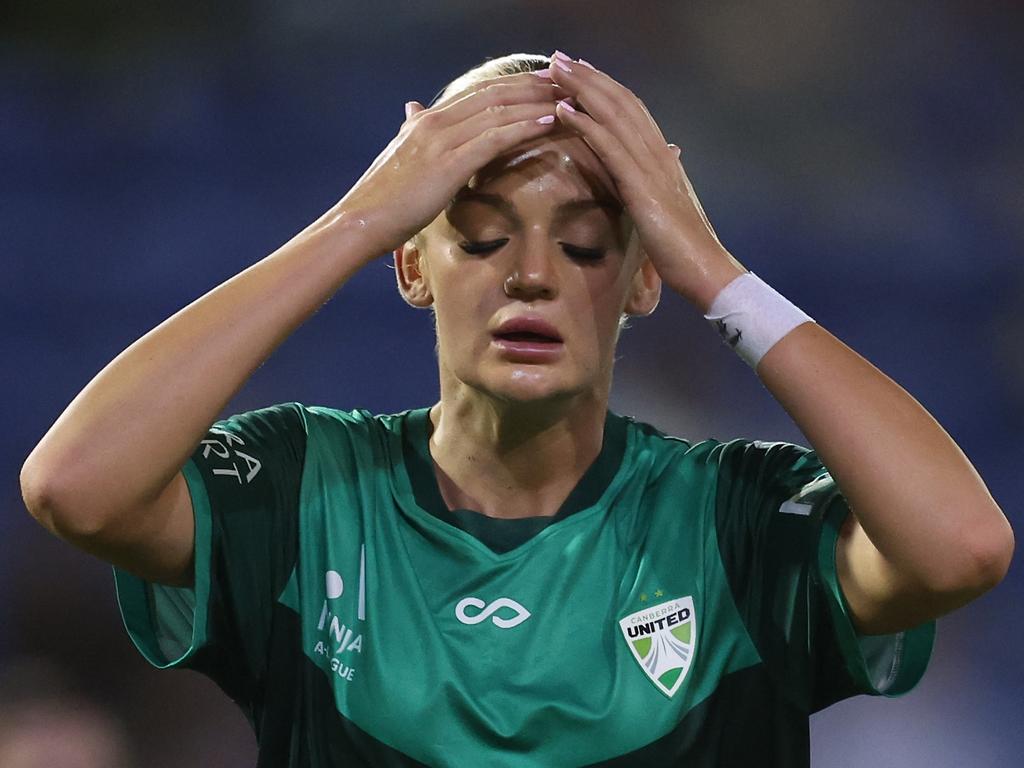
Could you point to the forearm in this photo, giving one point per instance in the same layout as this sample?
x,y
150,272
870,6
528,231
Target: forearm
x,y
914,492
131,429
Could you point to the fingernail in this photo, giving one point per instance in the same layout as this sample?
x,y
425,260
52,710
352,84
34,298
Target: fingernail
x,y
562,56
542,72
587,64
408,110
562,65
546,119
565,103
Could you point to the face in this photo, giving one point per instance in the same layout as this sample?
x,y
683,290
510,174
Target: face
x,y
538,233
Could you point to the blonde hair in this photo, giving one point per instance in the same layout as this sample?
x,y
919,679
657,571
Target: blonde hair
x,y
511,64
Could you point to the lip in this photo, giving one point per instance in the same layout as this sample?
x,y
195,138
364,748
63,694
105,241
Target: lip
x,y
528,324
531,350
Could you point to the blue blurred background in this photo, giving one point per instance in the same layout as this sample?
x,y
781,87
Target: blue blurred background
x,y
865,158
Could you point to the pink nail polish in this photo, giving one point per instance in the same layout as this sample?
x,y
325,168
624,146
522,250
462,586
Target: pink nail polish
x,y
562,65
587,64
542,72
565,103
562,56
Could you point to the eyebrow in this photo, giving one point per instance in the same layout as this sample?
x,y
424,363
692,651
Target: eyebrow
x,y
564,210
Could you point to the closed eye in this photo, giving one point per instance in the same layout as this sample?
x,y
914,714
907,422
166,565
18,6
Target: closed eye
x,y
582,254
475,248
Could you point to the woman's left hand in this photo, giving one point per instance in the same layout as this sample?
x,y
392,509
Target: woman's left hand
x,y
651,182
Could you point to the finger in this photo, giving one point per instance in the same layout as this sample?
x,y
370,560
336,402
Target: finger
x,y
627,165
485,145
412,107
491,117
523,85
603,78
610,150
675,150
611,104
495,99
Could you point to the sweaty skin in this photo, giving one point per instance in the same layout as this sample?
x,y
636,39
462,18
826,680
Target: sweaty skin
x,y
512,438
900,472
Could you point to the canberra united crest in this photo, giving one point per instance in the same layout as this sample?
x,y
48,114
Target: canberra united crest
x,y
662,639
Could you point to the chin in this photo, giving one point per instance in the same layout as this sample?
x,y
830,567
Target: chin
x,y
522,385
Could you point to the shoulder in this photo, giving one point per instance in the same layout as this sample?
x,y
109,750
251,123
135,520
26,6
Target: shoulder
x,y
281,417
665,447
297,423
358,432
353,420
742,455
295,413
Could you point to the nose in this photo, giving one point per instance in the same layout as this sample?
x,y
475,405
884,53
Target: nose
x,y
532,272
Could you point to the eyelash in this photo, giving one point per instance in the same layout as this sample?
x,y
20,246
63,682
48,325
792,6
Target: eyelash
x,y
584,254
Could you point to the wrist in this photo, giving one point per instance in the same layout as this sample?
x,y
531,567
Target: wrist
x,y
751,317
350,232
713,276
714,287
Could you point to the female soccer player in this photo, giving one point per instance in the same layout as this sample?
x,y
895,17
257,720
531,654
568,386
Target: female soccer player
x,y
516,576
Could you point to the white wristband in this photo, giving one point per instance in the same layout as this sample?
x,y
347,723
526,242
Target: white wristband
x,y
751,317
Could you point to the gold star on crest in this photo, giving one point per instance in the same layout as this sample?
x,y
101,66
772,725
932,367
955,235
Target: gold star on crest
x,y
658,593
643,597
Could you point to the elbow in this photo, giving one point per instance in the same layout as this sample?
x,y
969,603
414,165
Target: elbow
x,y
988,553
37,491
995,555
54,507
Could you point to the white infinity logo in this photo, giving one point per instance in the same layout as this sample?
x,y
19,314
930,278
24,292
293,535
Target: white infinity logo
x,y
502,602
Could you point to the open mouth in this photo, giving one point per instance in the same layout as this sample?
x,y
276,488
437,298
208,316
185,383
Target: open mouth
x,y
524,336
528,339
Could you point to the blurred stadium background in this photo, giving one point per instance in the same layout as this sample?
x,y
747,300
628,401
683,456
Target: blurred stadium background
x,y
865,158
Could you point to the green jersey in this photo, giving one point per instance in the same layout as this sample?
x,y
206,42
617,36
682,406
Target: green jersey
x,y
681,608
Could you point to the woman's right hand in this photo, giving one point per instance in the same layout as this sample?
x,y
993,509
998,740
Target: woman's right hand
x,y
438,149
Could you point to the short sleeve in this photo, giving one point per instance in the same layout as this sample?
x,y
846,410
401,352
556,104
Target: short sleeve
x,y
244,480
778,516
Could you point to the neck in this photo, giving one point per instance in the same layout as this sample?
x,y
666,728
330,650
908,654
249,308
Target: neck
x,y
513,459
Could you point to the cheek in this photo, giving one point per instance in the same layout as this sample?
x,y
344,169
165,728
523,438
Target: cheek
x,y
461,312
594,320
607,296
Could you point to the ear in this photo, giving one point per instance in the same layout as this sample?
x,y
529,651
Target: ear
x,y
645,289
411,275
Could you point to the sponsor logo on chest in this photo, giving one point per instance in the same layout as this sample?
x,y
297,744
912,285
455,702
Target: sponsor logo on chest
x,y
341,639
484,611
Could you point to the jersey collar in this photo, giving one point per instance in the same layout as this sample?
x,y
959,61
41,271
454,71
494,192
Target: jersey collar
x,y
498,534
